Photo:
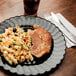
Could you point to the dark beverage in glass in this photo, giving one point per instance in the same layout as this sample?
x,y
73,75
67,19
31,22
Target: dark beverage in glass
x,y
31,7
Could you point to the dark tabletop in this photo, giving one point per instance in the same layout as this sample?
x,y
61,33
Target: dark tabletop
x,y
10,8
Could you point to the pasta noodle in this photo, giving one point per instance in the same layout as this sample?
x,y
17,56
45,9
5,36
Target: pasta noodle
x,y
9,61
12,58
15,44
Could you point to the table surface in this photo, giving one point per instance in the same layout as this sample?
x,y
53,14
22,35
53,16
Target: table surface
x,y
10,8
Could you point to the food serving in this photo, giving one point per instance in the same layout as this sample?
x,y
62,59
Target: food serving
x,y
41,40
18,46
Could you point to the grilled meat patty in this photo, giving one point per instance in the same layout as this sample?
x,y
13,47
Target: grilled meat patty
x,y
41,40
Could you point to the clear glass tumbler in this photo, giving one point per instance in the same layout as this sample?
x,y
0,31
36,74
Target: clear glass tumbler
x,y
31,7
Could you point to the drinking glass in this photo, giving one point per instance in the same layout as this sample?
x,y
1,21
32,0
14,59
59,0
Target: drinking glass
x,y
31,7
